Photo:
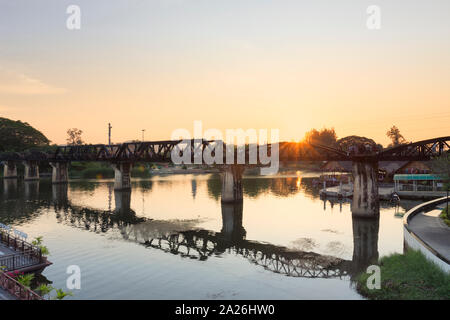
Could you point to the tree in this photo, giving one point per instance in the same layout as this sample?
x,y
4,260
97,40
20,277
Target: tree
x,y
19,136
325,136
74,136
441,166
348,141
395,136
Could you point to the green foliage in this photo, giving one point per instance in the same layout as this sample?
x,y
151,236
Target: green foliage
x,y
38,243
25,279
95,170
407,277
140,171
61,294
441,166
445,215
44,251
44,290
90,170
19,136
97,173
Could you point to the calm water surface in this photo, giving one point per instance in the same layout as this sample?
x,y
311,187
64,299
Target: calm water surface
x,y
171,238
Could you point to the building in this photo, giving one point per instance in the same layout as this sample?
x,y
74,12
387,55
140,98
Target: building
x,y
416,179
386,169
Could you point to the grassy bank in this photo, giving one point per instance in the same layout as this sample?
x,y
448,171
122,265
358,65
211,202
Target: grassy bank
x,y
96,170
407,277
445,215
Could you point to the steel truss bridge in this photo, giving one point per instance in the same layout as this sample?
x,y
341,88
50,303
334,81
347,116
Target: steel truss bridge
x,y
160,151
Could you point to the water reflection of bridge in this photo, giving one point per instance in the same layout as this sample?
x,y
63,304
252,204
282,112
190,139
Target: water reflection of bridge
x,y
182,238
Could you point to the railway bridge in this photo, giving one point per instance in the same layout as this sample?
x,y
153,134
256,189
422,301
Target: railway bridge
x,y
231,161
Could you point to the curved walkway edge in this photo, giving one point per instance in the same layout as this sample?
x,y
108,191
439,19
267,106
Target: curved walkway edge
x,y
428,234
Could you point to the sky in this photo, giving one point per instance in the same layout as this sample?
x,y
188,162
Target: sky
x,y
159,65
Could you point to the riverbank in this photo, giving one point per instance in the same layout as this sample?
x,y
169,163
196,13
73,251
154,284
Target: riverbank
x,y
408,276
423,271
96,170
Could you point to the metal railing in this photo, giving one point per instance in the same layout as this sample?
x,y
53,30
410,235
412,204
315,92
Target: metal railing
x,y
16,289
26,253
18,261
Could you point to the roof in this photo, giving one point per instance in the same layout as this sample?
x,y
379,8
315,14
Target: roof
x,y
420,165
391,166
417,177
338,166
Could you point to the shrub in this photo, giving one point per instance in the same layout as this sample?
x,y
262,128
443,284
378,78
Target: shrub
x,y
407,276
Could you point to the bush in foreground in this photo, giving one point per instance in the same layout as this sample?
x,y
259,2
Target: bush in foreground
x,y
407,276
445,216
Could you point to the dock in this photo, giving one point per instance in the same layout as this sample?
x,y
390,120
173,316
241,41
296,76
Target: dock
x,y
18,255
346,191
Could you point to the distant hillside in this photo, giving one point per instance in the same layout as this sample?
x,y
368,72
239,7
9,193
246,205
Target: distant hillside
x,y
19,136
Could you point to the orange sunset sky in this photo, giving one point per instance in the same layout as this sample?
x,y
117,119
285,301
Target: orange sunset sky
x,y
292,65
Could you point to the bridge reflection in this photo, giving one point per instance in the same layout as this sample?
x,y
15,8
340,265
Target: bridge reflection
x,y
182,238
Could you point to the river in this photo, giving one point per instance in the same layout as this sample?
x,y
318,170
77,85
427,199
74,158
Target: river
x,y
171,238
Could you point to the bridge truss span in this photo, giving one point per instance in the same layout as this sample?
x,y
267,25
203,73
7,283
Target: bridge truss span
x,y
421,150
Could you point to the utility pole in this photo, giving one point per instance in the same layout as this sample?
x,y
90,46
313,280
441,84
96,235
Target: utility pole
x,y
109,133
143,130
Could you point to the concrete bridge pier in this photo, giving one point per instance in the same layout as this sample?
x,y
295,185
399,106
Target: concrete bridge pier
x,y
10,170
60,172
232,228
365,242
31,188
365,189
59,195
9,187
122,175
122,199
31,171
232,183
